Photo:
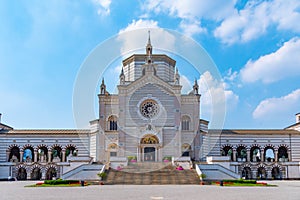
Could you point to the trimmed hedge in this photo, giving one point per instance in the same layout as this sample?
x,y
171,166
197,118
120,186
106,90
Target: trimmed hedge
x,y
131,158
59,181
169,158
241,181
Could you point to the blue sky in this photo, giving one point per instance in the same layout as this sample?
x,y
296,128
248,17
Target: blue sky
x,y
255,45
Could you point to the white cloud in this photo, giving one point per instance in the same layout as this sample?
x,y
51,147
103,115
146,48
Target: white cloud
x,y
191,12
190,9
186,84
286,14
140,24
231,76
117,70
214,95
237,24
231,79
256,17
103,7
275,108
212,92
135,36
191,27
246,24
269,68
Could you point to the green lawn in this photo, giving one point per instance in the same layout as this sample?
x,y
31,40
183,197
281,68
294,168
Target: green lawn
x,y
244,183
58,183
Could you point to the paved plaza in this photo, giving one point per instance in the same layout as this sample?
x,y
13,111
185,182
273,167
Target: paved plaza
x,y
286,190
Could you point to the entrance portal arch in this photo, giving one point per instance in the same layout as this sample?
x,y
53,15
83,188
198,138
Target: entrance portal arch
x,y
149,139
149,148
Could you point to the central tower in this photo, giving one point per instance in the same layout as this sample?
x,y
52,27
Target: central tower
x,y
148,119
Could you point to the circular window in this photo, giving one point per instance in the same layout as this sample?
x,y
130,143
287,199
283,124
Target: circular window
x,y
149,108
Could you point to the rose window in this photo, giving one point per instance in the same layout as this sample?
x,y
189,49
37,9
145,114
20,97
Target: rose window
x,y
149,108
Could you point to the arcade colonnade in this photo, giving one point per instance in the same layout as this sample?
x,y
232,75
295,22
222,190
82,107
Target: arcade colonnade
x,y
38,162
259,162
40,153
36,171
257,153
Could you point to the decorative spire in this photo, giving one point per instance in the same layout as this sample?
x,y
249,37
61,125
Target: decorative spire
x,y
122,72
149,50
122,77
196,87
149,40
176,77
195,82
102,87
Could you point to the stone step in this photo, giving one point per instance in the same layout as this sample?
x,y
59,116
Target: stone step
x,y
147,167
159,177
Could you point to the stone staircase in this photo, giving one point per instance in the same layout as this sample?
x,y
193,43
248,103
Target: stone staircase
x,y
217,172
151,174
84,172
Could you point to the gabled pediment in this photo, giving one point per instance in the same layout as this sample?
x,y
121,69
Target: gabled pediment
x,y
150,79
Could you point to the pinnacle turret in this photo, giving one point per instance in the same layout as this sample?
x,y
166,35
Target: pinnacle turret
x,y
149,50
196,87
102,87
122,77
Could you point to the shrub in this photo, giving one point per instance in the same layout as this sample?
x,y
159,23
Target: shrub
x,y
202,176
131,158
169,158
241,181
102,175
60,181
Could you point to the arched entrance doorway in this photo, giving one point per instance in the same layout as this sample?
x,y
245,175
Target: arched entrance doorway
x,y
149,147
276,173
186,149
51,173
261,173
36,174
246,173
149,154
22,174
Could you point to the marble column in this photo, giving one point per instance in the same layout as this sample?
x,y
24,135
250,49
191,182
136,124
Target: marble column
x,y
254,174
28,175
248,156
63,159
234,155
262,155
49,156
35,156
138,156
276,155
44,175
268,174
289,155
156,154
21,156
160,153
